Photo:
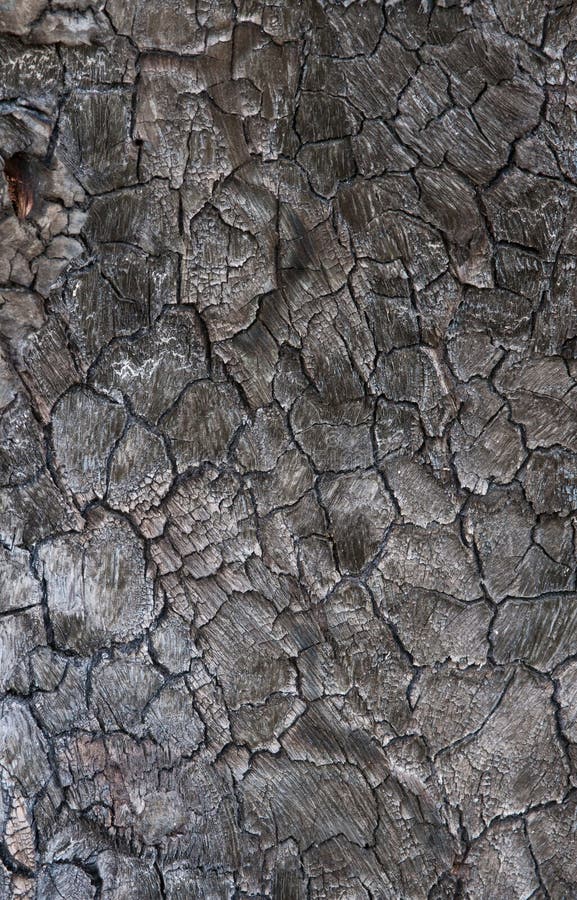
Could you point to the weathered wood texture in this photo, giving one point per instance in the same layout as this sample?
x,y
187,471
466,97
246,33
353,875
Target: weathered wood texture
x,y
288,453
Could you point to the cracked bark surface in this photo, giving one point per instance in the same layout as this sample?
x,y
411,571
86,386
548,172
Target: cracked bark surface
x,y
288,453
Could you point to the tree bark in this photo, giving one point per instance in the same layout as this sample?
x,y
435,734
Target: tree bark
x,y
288,449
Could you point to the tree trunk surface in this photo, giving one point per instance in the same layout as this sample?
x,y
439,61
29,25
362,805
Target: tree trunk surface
x,y
288,414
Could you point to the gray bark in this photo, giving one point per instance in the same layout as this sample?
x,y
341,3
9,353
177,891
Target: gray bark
x,y
288,451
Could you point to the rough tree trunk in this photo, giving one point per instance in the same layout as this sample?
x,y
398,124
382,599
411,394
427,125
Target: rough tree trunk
x,y
288,449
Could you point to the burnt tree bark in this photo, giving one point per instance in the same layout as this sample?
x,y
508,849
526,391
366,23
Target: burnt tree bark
x,y
288,449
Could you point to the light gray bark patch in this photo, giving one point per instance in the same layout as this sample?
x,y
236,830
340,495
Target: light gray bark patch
x,y
202,423
101,424
541,632
522,767
97,587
